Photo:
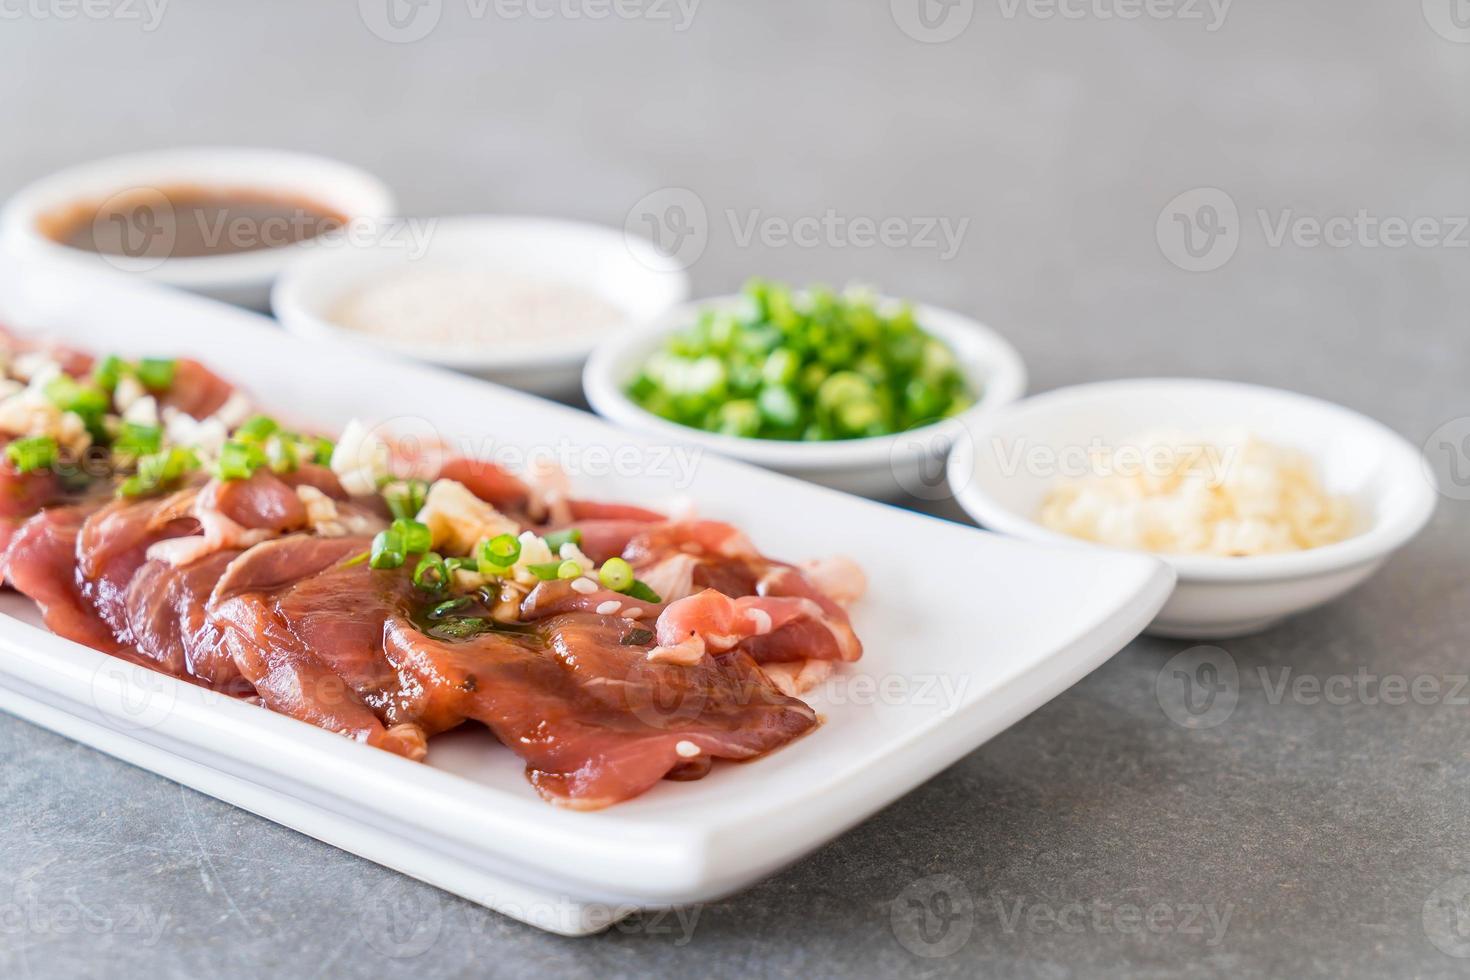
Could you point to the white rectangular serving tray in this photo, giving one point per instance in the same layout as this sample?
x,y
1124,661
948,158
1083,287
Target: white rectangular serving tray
x,y
965,633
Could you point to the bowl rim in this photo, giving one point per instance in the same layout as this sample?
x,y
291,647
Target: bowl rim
x,y
20,232
1005,382
1387,533
300,317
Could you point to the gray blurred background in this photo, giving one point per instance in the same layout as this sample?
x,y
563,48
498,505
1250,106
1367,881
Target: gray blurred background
x,y
1069,147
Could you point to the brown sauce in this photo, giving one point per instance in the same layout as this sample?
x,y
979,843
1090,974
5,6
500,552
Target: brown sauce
x,y
188,222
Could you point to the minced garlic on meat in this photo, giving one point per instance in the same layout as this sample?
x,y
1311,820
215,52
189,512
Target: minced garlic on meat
x,y
1232,496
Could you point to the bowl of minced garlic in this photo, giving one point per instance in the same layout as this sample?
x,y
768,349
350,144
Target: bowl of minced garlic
x,y
1232,495
1265,503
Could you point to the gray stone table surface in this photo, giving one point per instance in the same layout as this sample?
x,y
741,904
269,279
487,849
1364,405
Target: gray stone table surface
x,y
1304,836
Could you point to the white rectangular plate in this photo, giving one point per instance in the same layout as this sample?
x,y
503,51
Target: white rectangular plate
x,y
965,633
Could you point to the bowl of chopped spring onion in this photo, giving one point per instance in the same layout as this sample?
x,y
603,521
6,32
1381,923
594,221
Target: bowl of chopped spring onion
x,y
852,390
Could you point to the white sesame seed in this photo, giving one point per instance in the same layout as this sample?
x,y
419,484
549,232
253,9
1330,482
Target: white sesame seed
x,y
584,585
632,612
687,749
609,607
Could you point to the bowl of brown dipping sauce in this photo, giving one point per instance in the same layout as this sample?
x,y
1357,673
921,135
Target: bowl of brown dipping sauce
x,y
218,221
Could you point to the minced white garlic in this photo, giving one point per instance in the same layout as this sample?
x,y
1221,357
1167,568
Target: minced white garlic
x,y
1233,495
458,520
142,411
321,512
475,307
360,459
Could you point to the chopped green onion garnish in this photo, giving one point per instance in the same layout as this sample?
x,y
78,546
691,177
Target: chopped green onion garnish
x,y
32,454
239,460
321,449
616,574
416,537
459,629
461,564
159,470
405,498
357,559
157,373
569,569
87,401
503,550
387,550
257,428
556,539
448,606
546,571
108,372
134,439
431,574
640,590
280,452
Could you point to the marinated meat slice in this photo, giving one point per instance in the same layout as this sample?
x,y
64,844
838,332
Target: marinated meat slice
x,y
196,390
490,482
617,723
113,544
561,596
592,510
575,695
41,564
168,625
21,496
264,502
320,477
679,558
311,650
766,627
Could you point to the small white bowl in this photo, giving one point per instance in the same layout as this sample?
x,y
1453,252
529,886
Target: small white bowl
x,y
883,467
243,278
623,270
1002,471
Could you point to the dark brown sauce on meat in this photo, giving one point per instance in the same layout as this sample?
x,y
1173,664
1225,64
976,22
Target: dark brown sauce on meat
x,y
188,222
